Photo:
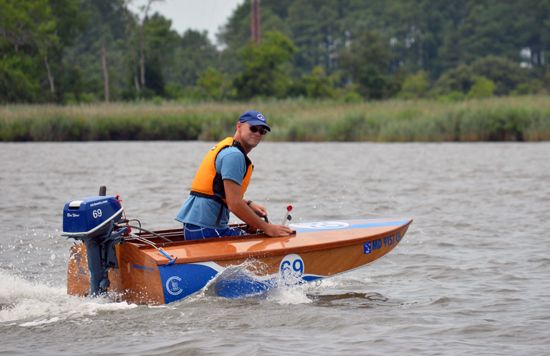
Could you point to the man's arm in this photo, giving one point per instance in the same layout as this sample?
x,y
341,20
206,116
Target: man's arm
x,y
238,207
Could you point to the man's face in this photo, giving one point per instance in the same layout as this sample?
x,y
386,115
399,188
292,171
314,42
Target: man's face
x,y
250,136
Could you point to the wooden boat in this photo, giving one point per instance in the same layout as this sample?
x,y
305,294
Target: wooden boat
x,y
158,267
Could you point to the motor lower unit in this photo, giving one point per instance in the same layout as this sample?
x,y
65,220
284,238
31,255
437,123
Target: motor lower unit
x,y
93,220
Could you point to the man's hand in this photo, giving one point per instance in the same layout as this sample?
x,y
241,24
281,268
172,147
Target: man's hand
x,y
259,209
248,214
277,230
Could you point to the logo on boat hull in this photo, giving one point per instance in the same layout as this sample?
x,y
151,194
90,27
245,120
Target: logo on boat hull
x,y
322,225
172,285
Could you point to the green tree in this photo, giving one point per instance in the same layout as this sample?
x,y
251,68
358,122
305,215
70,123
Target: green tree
x,y
531,31
31,35
235,34
318,85
533,86
99,53
160,49
316,31
460,79
264,73
367,63
214,84
481,88
505,74
415,86
69,23
193,55
86,49
17,84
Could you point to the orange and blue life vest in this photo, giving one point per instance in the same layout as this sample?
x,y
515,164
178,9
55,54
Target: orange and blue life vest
x,y
208,183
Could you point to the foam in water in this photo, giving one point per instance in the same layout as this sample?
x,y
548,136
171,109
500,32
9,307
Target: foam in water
x,y
291,289
249,280
287,295
28,304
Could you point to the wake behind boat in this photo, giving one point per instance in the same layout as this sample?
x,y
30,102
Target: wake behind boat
x,y
158,267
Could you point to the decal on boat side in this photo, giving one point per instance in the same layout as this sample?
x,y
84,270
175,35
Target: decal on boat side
x,y
322,225
181,280
370,246
172,285
367,248
291,269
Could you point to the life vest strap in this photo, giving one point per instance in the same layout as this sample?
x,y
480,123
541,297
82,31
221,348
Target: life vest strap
x,y
215,198
208,196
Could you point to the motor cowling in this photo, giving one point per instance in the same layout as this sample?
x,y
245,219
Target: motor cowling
x,y
90,217
93,220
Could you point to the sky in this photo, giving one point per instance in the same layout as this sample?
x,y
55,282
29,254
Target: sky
x,y
199,15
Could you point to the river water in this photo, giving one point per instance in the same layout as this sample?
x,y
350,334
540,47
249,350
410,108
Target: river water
x,y
472,275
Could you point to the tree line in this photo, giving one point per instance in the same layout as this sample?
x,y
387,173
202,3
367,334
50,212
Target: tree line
x,y
82,51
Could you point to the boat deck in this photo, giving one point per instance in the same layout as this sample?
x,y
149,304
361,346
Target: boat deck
x,y
307,238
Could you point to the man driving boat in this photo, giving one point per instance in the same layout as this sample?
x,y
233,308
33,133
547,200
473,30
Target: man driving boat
x,y
220,184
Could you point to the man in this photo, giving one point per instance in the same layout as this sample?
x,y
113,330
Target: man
x,y
220,184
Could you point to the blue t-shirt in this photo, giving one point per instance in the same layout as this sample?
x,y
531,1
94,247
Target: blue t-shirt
x,y
230,163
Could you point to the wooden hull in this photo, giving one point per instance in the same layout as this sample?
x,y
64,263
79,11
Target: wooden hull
x,y
238,266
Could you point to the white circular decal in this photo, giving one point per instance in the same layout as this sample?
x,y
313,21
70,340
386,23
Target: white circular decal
x,y
322,225
172,285
291,269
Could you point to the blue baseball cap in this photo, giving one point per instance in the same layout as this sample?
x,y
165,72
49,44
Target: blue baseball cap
x,y
255,118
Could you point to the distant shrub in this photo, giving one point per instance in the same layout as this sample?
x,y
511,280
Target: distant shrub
x,y
318,85
415,86
88,98
459,79
504,73
482,88
451,97
534,86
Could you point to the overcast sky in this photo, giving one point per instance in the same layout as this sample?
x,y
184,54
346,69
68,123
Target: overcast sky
x,y
200,15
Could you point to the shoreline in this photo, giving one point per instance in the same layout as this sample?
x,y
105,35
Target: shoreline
x,y
493,119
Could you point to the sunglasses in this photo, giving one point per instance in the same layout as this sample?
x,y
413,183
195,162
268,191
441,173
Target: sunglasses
x,y
261,129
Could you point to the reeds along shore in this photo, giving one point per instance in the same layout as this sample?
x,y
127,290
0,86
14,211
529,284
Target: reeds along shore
x,y
495,119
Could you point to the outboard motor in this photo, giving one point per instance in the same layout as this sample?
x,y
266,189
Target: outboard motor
x,y
93,220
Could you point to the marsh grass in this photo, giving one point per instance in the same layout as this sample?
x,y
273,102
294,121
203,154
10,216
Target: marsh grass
x,y
496,119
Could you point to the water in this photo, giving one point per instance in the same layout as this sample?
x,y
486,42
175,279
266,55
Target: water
x,y
472,275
